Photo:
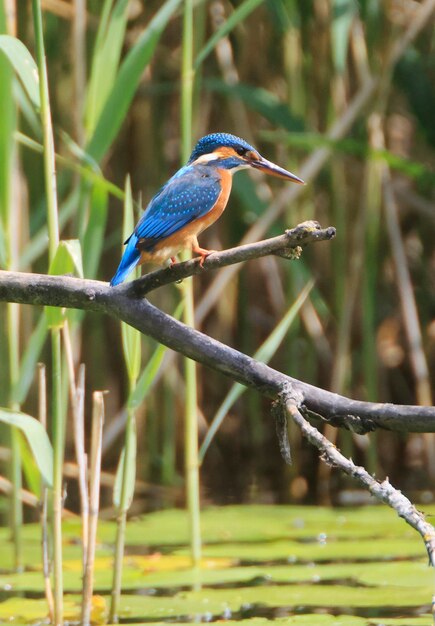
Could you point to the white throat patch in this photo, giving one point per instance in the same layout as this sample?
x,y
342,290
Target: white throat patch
x,y
206,158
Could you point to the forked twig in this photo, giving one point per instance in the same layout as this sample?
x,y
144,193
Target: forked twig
x,y
382,491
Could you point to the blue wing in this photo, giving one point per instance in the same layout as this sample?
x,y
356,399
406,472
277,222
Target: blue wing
x,y
187,196
190,194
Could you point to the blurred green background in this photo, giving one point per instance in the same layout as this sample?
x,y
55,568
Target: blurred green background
x,y
319,87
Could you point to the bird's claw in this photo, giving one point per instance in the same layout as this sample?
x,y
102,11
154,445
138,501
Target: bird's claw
x,y
203,256
203,253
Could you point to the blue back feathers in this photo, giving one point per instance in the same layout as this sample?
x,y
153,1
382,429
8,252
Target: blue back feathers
x,y
209,143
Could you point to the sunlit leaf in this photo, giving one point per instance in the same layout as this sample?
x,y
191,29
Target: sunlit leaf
x,y
36,437
7,128
67,260
131,338
24,65
30,468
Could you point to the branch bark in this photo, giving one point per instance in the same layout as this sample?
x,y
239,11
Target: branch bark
x,y
125,303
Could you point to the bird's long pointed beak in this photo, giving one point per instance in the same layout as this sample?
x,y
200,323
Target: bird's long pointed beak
x,y
275,170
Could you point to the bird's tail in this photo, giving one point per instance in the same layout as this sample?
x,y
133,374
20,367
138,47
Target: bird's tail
x,y
129,261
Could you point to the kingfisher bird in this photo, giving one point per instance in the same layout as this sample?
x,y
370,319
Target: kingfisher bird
x,y
191,201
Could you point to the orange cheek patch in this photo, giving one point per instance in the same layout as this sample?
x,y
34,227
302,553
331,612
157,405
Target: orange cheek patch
x,y
225,153
252,156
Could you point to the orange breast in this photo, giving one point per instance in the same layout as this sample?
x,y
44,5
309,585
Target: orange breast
x,y
204,222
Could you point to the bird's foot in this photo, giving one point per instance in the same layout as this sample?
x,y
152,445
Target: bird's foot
x,y
203,254
173,261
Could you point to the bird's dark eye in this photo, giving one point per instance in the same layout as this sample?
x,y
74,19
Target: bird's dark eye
x,y
241,151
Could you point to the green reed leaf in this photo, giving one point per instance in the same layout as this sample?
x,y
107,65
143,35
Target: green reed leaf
x,y
131,338
343,13
29,360
127,81
105,59
29,467
7,128
23,64
94,235
37,439
67,260
260,100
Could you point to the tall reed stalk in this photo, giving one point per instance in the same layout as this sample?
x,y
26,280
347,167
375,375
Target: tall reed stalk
x,y
13,340
191,393
126,474
43,514
10,223
58,430
94,502
129,453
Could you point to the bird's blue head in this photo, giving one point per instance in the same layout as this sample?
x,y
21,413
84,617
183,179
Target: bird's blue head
x,y
232,153
211,143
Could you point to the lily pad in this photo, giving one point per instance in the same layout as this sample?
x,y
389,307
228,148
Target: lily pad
x,y
320,551
308,565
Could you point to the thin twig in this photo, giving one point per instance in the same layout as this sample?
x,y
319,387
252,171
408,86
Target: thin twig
x,y
382,491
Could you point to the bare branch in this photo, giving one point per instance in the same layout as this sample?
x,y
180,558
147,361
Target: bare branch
x,y
124,304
